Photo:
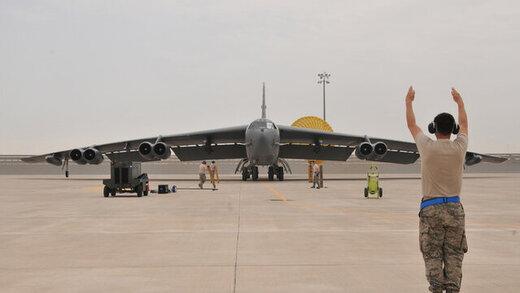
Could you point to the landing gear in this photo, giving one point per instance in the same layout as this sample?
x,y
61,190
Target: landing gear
x,y
245,174
66,167
280,173
270,173
255,173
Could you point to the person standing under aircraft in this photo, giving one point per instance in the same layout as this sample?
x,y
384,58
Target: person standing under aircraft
x,y
315,175
442,235
213,167
202,173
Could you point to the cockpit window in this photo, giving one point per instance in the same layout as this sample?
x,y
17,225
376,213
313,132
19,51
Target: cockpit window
x,y
262,125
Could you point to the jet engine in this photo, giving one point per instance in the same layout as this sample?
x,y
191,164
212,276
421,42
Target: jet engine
x,y
380,150
146,150
161,150
472,159
51,159
368,151
77,156
89,156
364,150
93,156
158,150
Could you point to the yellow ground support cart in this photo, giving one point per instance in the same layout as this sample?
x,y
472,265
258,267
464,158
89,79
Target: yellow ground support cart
x,y
373,183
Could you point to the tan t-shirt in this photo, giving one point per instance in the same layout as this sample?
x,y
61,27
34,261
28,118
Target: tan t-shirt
x,y
202,169
442,163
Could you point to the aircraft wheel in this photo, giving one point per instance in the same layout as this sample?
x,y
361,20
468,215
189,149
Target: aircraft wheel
x,y
270,173
280,173
366,192
245,174
380,192
113,192
106,191
145,192
255,173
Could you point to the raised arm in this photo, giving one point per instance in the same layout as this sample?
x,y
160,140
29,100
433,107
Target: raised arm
x,y
410,116
463,118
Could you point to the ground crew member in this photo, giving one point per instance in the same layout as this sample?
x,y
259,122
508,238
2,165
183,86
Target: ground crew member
x,y
315,175
442,235
202,173
213,167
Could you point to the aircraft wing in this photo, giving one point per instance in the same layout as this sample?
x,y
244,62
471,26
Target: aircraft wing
x,y
198,142
323,145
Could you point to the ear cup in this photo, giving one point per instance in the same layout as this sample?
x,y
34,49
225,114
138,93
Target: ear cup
x,y
431,128
456,129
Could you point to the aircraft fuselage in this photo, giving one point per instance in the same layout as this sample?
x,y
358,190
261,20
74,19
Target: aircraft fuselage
x,y
262,142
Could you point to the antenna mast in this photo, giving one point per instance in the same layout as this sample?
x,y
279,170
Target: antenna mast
x,y
263,101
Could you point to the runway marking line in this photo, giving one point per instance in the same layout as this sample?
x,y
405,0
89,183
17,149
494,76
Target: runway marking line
x,y
282,198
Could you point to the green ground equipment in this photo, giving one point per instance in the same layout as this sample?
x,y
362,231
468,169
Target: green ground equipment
x,y
373,183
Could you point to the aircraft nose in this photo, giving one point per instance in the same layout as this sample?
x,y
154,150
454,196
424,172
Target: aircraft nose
x,y
263,144
265,140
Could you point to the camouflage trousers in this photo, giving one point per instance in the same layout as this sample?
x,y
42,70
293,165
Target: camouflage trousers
x,y
316,179
442,239
202,177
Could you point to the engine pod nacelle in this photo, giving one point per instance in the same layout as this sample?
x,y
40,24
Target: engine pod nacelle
x,y
52,159
93,156
146,150
379,152
156,151
472,159
364,150
161,151
77,156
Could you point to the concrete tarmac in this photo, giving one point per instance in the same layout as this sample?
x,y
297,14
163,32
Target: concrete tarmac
x,y
61,235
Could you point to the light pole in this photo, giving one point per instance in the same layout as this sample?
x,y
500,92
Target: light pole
x,y
324,79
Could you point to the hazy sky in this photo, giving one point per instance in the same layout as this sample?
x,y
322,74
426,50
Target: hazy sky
x,y
78,73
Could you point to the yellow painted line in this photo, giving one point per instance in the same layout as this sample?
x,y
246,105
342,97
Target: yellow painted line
x,y
280,196
93,188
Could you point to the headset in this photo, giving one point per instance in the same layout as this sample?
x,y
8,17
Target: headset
x,y
432,128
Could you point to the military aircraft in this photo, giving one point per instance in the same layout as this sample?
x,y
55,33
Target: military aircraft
x,y
261,143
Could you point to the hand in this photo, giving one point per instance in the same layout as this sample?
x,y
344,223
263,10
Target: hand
x,y
456,96
410,96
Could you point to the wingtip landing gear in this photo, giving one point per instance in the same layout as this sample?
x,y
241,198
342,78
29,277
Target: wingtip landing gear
x,y
66,167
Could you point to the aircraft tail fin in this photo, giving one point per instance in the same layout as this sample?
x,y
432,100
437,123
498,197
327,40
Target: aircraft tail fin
x,y
264,107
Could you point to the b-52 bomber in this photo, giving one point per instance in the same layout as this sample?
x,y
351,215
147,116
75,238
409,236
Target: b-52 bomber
x,y
261,143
